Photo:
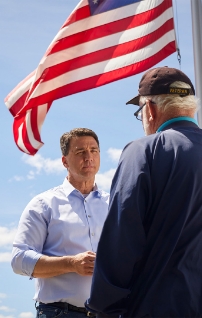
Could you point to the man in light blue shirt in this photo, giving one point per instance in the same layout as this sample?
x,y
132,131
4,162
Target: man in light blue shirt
x,y
59,231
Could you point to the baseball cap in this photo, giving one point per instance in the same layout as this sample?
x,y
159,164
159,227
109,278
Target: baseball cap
x,y
157,81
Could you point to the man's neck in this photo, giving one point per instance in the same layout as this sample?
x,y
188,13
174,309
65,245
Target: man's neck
x,y
173,114
83,186
176,120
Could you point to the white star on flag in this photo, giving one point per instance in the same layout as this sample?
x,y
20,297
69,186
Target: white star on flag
x,y
95,1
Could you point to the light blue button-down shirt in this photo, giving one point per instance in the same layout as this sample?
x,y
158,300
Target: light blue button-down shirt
x,y
58,222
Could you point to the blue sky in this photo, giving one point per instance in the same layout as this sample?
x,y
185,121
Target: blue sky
x,y
27,28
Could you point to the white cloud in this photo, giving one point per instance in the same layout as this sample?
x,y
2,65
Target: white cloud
x,y
51,166
6,240
104,180
16,178
7,309
114,154
55,166
47,165
5,257
7,235
26,315
31,175
2,295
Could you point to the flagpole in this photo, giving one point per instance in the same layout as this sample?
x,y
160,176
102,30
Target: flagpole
x,y
196,11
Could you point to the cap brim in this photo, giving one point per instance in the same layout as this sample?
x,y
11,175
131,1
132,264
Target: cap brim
x,y
134,100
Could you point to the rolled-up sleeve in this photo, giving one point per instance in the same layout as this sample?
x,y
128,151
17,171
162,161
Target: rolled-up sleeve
x,y
29,239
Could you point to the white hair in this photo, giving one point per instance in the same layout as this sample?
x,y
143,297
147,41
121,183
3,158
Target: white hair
x,y
174,101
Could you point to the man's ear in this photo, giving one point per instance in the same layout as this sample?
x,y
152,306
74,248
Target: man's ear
x,y
152,110
65,162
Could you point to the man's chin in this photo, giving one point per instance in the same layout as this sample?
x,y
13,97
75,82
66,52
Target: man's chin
x,y
89,169
89,173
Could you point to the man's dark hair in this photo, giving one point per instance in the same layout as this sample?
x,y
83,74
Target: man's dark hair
x,y
75,133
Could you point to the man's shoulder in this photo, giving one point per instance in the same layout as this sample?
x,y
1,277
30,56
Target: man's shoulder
x,y
103,193
50,193
45,199
142,143
149,142
171,138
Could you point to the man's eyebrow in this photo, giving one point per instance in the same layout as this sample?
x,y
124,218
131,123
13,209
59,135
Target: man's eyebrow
x,y
83,148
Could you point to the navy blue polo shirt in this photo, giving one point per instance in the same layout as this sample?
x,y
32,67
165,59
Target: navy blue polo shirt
x,y
149,258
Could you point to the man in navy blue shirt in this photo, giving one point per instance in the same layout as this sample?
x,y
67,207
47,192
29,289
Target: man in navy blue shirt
x,y
149,259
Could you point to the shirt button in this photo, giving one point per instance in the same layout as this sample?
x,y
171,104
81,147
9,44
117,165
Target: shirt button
x,y
89,216
92,234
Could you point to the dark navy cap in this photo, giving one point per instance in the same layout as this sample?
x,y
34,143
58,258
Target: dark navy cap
x,y
157,81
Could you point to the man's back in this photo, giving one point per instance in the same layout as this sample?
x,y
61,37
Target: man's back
x,y
170,271
155,220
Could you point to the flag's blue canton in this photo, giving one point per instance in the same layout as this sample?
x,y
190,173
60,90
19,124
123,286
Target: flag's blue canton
x,y
99,6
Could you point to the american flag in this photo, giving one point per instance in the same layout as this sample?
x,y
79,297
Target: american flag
x,y
100,42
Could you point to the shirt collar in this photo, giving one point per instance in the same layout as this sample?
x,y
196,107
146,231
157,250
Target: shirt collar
x,y
68,187
177,119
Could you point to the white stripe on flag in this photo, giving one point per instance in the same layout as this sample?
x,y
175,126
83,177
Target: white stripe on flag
x,y
41,115
19,92
35,144
20,140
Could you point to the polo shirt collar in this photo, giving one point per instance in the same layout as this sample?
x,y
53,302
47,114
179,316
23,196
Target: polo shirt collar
x,y
169,122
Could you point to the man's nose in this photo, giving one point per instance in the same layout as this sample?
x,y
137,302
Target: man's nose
x,y
88,155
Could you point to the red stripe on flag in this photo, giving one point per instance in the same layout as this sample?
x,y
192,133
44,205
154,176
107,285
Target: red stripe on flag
x,y
79,14
25,137
19,104
33,120
19,85
16,124
20,121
